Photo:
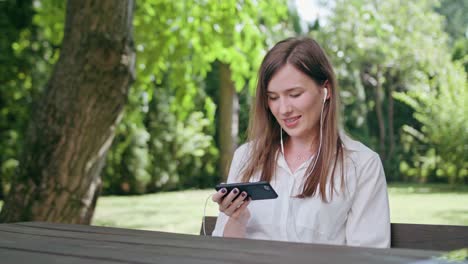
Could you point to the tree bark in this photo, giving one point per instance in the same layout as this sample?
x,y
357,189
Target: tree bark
x,y
73,123
228,120
378,109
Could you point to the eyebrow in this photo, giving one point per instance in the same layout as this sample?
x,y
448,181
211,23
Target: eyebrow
x,y
288,90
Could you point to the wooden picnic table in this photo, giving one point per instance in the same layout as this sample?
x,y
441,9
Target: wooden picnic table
x,y
39,242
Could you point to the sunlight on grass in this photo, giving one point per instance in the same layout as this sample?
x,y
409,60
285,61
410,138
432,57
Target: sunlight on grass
x,y
181,212
429,205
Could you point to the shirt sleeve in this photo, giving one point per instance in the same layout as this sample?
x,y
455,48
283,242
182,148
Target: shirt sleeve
x,y
233,176
368,221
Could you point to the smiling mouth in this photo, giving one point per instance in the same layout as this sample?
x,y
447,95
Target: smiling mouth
x,y
291,121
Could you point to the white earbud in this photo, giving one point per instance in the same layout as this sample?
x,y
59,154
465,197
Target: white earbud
x,y
325,93
281,140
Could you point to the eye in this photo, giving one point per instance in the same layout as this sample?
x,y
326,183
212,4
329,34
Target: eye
x,y
295,95
272,97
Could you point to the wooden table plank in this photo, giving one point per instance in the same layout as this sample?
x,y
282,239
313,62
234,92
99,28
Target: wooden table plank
x,y
20,256
178,239
90,250
168,239
90,244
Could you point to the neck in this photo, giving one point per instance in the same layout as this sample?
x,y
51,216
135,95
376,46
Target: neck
x,y
306,142
303,146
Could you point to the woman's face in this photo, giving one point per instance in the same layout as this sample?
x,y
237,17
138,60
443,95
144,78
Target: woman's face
x,y
296,101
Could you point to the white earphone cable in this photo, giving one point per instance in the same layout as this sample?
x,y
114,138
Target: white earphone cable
x,y
204,214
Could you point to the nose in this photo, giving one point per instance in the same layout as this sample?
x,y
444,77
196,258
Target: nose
x,y
285,107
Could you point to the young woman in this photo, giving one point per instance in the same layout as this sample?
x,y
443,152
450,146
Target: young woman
x,y
331,189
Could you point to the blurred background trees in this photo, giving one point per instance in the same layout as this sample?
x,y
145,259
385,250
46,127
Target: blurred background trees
x,y
402,70
402,92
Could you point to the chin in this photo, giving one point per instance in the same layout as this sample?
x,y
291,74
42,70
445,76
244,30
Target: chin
x,y
294,133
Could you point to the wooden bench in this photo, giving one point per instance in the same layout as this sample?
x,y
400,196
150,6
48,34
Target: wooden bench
x,y
411,236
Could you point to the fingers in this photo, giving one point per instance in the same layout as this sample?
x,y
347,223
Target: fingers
x,y
230,203
218,196
242,210
228,200
235,205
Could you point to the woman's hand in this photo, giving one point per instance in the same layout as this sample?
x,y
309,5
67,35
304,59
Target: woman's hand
x,y
236,209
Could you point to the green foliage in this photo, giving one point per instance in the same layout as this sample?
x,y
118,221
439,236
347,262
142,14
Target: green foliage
x,y
455,256
127,161
25,62
406,42
50,17
456,20
460,52
379,49
442,113
183,152
165,137
177,42
456,25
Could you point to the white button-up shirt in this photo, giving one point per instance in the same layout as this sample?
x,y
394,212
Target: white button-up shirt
x,y
357,215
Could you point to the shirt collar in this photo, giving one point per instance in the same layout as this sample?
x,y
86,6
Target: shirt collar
x,y
281,161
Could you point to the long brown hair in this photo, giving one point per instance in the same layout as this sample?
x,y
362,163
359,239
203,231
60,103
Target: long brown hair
x,y
264,131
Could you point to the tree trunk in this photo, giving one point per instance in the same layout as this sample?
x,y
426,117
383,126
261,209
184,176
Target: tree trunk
x,y
228,119
380,118
391,126
73,123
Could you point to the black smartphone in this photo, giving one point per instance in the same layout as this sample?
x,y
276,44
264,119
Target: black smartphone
x,y
261,190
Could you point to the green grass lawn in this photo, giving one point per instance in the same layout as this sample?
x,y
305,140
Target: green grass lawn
x,y
430,204
182,211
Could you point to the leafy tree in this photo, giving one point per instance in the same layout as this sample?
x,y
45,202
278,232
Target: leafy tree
x,y
177,43
456,21
456,25
379,49
73,123
439,144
